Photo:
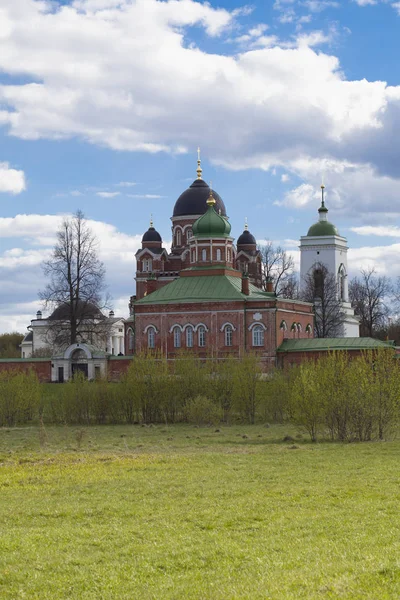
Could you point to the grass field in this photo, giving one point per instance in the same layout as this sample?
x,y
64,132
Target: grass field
x,y
121,512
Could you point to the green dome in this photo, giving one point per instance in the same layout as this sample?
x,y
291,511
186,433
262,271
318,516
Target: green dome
x,y
211,224
322,228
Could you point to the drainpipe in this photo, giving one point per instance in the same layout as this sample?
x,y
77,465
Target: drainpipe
x,y
245,325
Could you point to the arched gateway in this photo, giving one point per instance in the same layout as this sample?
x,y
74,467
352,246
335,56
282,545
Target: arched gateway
x,y
79,358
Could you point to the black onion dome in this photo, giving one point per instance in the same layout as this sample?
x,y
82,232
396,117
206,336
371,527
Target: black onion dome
x,y
86,310
151,235
193,201
246,239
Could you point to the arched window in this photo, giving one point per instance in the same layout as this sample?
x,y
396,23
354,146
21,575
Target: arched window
x,y
318,283
178,237
342,283
194,256
228,255
189,337
151,337
202,336
309,329
204,255
131,340
189,234
228,335
177,337
258,336
218,254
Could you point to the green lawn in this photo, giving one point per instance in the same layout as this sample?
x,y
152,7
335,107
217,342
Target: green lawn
x,y
128,512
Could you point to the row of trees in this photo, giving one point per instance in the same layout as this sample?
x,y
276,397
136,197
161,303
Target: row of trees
x,y
9,345
346,400
374,297
334,397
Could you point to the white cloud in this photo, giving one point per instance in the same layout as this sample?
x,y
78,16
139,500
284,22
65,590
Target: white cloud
x,y
320,5
126,75
126,184
12,181
365,2
108,194
285,178
378,230
299,197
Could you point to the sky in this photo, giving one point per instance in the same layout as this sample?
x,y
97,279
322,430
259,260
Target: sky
x,y
103,104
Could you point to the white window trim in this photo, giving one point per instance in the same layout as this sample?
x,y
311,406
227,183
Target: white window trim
x,y
201,325
151,331
198,336
250,328
175,325
258,325
230,329
226,325
148,327
189,328
177,330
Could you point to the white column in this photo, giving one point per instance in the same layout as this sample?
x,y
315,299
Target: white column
x,y
109,345
116,345
122,344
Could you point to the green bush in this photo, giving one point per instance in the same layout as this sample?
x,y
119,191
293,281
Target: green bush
x,y
19,397
203,411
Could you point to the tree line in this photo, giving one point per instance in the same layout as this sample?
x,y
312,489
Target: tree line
x,y
331,398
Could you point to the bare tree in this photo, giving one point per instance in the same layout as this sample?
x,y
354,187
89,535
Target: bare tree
x,y
319,287
369,296
76,286
277,266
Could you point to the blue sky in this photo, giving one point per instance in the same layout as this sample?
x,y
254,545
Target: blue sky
x,y
104,102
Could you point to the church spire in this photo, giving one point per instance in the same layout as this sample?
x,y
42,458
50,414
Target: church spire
x,y
322,209
199,170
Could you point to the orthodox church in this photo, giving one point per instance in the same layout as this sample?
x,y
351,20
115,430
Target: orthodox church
x,y
206,294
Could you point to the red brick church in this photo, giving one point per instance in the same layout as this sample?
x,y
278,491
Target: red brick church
x,y
206,294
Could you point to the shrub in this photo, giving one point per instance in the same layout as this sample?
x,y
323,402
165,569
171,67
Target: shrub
x,y
203,411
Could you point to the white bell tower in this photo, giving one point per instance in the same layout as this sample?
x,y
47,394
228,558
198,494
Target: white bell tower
x,y
324,244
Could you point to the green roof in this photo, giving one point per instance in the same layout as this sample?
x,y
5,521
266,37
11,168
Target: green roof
x,y
204,288
322,228
24,360
326,344
211,224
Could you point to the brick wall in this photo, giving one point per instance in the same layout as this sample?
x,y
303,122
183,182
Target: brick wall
x,y
41,367
117,366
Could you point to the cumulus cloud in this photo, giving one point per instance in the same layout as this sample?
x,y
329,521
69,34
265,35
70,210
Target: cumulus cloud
x,y
99,74
352,190
126,75
12,181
